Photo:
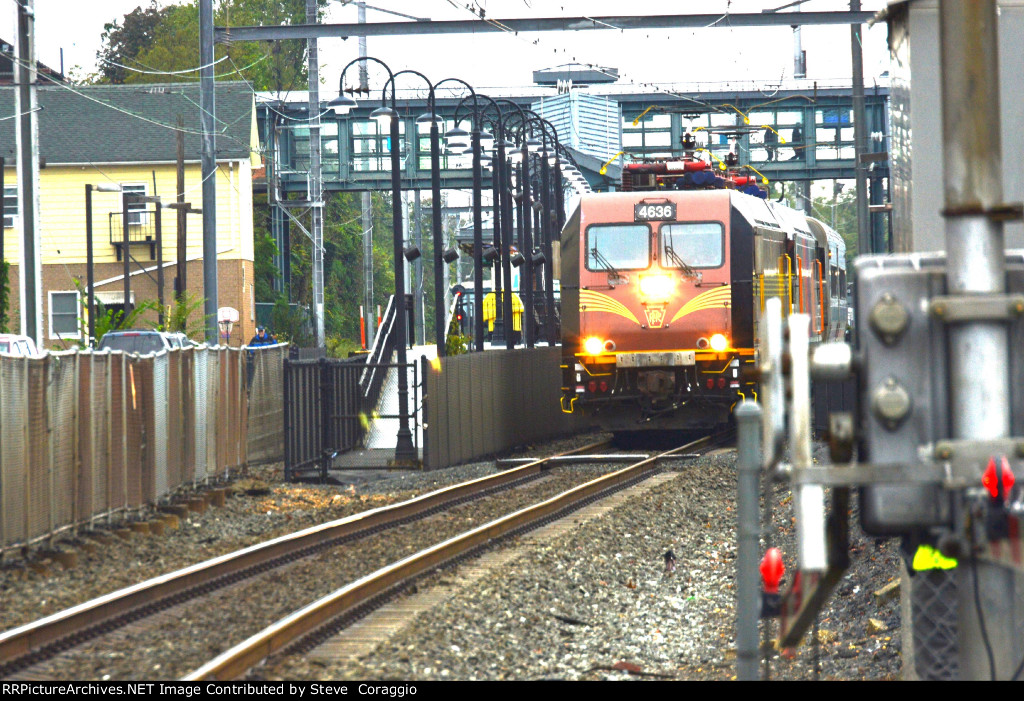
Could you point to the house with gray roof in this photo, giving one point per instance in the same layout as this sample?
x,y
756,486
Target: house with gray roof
x,y
126,135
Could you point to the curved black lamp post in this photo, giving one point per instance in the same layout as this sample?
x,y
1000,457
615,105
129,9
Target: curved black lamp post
x,y
548,218
524,210
478,241
502,329
404,448
506,220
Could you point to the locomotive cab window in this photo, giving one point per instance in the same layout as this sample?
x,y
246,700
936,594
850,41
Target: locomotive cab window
x,y
692,245
612,247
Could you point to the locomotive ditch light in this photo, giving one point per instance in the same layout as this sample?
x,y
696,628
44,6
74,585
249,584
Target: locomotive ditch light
x,y
450,255
593,346
719,342
656,287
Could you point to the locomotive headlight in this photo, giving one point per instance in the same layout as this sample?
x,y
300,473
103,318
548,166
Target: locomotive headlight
x,y
656,286
593,346
719,342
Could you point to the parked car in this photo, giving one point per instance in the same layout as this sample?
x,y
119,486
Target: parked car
x,y
13,344
142,341
180,340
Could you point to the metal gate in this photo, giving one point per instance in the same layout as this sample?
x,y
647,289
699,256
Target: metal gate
x,y
333,415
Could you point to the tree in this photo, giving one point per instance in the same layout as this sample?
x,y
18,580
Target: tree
x,y
154,40
123,41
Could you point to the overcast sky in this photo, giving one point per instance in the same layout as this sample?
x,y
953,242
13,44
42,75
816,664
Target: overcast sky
x,y
489,60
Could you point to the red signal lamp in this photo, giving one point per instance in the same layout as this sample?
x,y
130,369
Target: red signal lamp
x,y
772,570
998,475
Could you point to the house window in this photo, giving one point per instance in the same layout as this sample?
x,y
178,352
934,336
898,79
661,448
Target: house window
x,y
64,315
136,211
10,206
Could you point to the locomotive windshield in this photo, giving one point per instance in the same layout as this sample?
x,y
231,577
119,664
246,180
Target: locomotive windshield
x,y
692,245
613,247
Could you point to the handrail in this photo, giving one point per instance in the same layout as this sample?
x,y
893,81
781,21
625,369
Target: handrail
x,y
372,379
821,298
789,283
800,281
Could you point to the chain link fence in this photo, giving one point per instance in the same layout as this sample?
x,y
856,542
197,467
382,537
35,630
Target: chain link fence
x,y
87,435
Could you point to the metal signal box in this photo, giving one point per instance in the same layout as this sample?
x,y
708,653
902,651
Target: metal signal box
x,y
903,383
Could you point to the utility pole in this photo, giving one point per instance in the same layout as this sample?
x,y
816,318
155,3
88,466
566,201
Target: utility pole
x,y
417,272
180,281
316,190
367,208
859,135
206,114
27,137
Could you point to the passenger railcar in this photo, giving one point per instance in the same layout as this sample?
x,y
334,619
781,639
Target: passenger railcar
x,y
663,290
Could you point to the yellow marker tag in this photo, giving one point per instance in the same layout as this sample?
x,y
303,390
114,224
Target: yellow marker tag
x,y
435,363
928,558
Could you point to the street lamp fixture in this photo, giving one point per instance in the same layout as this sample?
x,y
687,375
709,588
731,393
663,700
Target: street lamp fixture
x,y
342,104
457,141
486,141
383,115
426,118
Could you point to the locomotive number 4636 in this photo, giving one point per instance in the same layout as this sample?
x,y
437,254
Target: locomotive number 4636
x,y
654,212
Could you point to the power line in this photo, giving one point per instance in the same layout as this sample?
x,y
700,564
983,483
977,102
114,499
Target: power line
x,y
156,72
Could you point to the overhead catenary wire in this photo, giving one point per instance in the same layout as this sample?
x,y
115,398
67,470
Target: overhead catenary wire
x,y
592,66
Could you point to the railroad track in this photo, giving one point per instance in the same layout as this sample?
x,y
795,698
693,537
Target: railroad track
x,y
41,640
307,627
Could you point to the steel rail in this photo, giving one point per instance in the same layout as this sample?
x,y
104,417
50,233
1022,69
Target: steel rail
x,y
86,620
236,661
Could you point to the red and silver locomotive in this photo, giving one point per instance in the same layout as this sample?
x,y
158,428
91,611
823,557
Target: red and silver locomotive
x,y
664,285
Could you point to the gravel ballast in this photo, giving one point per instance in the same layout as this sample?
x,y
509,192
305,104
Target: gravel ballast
x,y
595,603
598,603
